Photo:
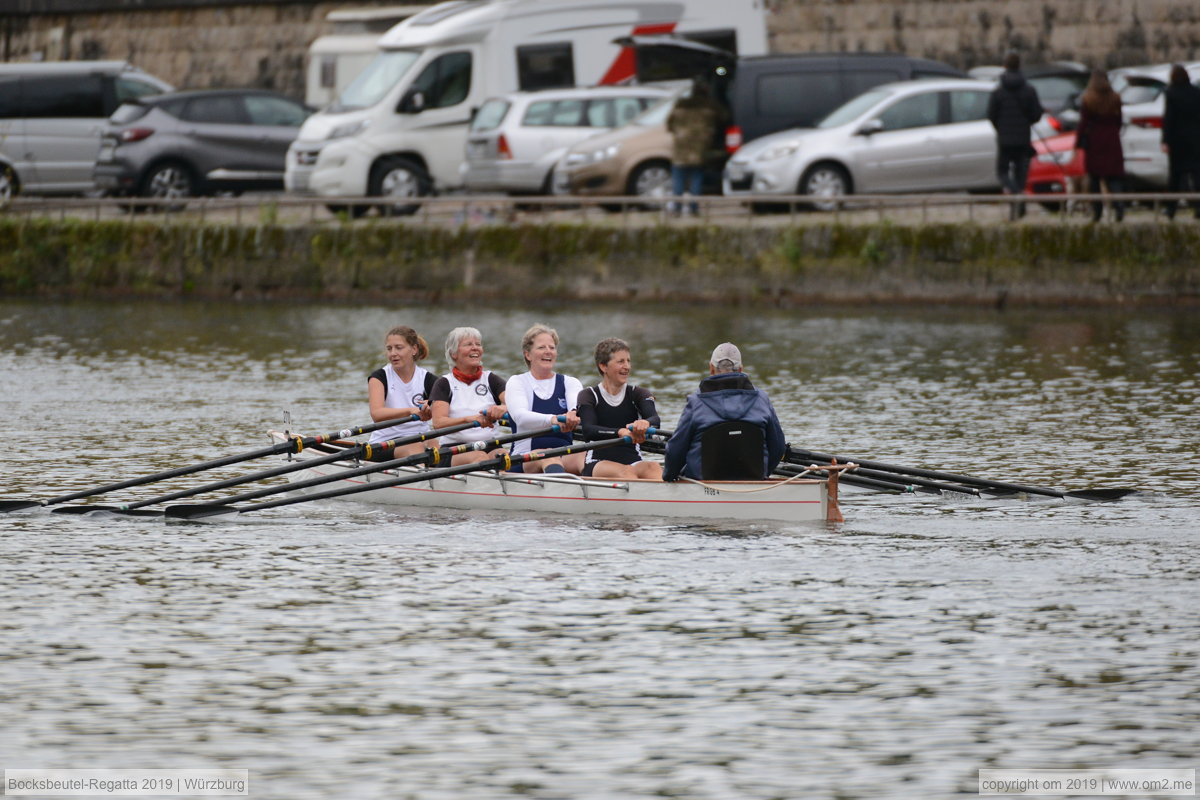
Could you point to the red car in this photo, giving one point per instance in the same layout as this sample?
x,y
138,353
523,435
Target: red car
x,y
1056,169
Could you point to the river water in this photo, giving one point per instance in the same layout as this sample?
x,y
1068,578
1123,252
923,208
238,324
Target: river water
x,y
347,651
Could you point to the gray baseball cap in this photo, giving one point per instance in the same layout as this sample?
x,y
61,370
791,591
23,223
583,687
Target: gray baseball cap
x,y
726,358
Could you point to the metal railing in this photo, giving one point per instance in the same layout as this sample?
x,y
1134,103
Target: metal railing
x,y
475,210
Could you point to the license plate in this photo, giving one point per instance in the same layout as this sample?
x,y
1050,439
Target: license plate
x,y
300,181
735,172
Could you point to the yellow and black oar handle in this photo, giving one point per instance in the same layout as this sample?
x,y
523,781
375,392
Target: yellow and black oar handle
x,y
292,445
505,461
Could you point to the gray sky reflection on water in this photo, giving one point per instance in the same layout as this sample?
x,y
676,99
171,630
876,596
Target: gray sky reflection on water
x,y
347,651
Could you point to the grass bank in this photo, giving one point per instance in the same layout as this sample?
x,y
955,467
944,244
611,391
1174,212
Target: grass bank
x,y
959,263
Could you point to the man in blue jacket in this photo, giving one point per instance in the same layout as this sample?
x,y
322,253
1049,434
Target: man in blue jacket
x,y
726,395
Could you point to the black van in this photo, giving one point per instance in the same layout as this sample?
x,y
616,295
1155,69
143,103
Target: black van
x,y
765,94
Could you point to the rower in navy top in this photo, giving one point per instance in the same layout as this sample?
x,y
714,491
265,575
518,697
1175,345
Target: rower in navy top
x,y
613,408
537,398
401,389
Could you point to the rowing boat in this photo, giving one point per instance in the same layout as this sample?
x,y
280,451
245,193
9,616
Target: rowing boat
x,y
798,499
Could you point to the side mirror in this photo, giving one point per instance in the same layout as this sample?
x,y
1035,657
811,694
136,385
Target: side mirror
x,y
412,102
870,127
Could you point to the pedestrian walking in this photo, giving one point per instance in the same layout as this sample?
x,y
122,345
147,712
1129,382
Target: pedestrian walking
x,y
1099,136
1013,108
1181,137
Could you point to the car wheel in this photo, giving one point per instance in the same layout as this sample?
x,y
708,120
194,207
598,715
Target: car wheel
x,y
651,180
169,180
399,178
10,187
827,181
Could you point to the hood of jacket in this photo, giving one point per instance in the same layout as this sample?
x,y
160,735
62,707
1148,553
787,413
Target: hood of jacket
x,y
1012,81
730,396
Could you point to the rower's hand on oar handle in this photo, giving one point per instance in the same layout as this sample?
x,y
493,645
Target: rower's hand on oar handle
x,y
569,421
637,430
493,414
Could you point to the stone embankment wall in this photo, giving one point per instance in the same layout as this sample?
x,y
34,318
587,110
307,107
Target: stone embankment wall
x,y
199,44
961,264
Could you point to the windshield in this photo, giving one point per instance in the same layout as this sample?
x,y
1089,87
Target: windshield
x,y
655,114
853,108
374,82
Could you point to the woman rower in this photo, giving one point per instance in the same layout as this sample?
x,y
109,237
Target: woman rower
x,y
468,393
400,389
537,398
614,408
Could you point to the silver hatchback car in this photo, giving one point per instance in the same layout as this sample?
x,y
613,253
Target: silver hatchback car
x,y
516,139
914,136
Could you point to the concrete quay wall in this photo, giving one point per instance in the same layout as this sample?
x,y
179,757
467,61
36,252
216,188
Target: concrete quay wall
x,y
201,43
1140,264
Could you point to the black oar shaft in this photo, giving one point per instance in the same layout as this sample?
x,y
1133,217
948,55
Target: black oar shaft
x,y
350,452
294,444
369,469
928,473
491,463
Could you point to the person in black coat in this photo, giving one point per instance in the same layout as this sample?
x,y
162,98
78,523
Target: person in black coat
x,y
1181,136
1013,109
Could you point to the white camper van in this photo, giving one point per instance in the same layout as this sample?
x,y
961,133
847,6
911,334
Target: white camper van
x,y
336,58
399,129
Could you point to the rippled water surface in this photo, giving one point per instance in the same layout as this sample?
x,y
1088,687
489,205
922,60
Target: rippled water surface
x,y
348,651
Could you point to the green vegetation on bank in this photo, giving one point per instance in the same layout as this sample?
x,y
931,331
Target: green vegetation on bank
x,y
874,262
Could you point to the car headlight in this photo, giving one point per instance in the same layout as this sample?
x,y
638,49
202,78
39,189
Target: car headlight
x,y
349,129
778,151
604,153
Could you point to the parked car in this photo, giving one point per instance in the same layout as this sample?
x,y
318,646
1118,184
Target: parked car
x,y
1056,83
1141,90
769,93
199,142
516,139
914,136
1057,168
51,114
1143,105
634,159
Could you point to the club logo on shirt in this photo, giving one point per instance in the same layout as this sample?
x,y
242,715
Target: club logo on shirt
x,y
418,399
481,390
562,403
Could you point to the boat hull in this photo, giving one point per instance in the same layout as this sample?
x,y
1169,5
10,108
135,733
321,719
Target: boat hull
x,y
796,500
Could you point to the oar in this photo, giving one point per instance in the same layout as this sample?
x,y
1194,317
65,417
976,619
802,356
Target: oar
x,y
505,461
361,448
293,445
434,457
989,486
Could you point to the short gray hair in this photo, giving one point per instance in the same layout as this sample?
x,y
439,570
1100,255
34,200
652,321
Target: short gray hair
x,y
455,338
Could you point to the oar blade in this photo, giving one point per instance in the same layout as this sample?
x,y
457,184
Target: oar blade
x,y
197,511
17,505
1101,495
81,509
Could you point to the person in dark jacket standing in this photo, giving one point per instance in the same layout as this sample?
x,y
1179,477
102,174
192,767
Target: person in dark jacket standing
x,y
1181,136
726,395
1099,136
1013,109
693,123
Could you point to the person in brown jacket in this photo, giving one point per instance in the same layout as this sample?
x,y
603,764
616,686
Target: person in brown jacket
x,y
1099,136
693,125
